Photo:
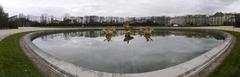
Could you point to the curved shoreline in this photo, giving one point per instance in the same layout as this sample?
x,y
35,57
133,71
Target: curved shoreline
x,y
55,66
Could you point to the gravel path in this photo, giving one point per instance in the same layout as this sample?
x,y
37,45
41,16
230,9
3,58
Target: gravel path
x,y
6,32
229,28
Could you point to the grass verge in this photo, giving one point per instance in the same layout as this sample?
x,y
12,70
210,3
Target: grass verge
x,y
13,61
230,67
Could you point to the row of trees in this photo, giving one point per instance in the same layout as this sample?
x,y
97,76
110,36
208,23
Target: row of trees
x,y
88,21
91,24
4,20
237,24
92,21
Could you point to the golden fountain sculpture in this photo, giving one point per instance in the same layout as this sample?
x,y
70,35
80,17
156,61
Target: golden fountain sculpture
x,y
109,33
127,30
146,32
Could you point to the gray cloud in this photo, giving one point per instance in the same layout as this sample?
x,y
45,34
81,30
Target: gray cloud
x,y
211,6
119,7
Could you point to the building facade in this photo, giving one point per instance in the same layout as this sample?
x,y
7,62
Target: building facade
x,y
196,20
178,21
219,19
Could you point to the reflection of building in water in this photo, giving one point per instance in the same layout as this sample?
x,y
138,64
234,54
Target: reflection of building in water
x,y
197,34
67,35
128,37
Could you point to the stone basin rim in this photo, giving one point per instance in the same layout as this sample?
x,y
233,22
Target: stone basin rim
x,y
61,68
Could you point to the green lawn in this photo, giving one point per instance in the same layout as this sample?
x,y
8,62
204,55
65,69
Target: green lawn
x,y
231,64
13,62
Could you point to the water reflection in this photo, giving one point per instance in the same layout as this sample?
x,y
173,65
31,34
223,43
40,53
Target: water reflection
x,y
108,37
128,37
148,37
127,52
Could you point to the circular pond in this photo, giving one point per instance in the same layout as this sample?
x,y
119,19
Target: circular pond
x,y
127,53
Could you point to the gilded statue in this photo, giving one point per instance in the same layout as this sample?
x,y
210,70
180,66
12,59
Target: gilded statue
x,y
109,33
146,32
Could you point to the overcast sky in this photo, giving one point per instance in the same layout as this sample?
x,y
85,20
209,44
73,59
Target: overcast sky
x,y
119,7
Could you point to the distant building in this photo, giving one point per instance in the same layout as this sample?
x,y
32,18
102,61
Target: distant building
x,y
237,23
178,20
189,20
34,18
200,20
91,19
229,19
161,20
223,19
75,19
216,19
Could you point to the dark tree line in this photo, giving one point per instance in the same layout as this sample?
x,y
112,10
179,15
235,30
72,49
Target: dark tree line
x,y
94,23
24,21
5,21
3,18
237,24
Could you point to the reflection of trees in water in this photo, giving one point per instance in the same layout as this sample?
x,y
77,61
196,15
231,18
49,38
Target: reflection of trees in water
x,y
189,33
162,33
199,34
92,34
128,37
49,36
68,35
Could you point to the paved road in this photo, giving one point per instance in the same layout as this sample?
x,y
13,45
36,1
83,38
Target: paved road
x,y
4,33
7,32
230,28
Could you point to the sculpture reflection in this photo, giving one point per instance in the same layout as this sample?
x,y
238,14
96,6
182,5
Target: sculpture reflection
x,y
146,32
127,32
128,37
109,33
148,37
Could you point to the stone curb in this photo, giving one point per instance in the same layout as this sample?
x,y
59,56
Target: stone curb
x,y
53,67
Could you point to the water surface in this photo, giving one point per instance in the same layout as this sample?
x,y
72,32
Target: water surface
x,y
127,54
